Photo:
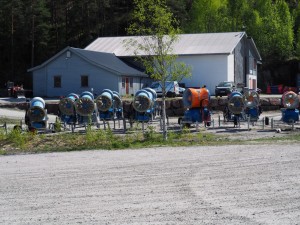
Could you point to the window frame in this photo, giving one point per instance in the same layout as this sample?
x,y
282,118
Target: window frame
x,y
84,81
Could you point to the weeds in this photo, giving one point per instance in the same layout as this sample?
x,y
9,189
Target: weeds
x,y
17,138
150,133
2,134
17,141
57,125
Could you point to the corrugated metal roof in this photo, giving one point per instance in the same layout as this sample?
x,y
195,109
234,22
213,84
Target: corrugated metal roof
x,y
104,60
188,44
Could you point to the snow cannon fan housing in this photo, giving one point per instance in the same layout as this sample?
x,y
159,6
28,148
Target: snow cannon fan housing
x,y
236,103
117,100
105,100
67,104
85,105
37,112
290,100
251,99
195,98
144,100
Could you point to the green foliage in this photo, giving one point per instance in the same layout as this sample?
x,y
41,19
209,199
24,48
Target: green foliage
x,y
270,23
18,138
57,125
17,142
274,36
158,31
2,134
150,133
208,16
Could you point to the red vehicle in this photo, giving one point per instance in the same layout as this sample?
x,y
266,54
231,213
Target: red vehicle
x,y
14,91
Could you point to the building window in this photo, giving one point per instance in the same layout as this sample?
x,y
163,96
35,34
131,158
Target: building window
x,y
57,81
84,81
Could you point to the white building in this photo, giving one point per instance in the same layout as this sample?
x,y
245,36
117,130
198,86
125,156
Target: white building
x,y
214,57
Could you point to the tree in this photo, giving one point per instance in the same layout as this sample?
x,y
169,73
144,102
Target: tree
x,y
38,26
158,31
208,16
273,34
236,11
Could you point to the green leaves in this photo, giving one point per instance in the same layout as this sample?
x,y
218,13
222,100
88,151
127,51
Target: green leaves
x,y
269,23
158,31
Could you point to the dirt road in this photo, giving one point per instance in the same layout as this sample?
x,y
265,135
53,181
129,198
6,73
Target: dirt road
x,y
187,185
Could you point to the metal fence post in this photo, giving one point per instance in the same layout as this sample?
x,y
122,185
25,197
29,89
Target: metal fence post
x,y
124,125
272,123
248,121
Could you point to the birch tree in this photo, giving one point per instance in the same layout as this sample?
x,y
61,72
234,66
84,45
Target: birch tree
x,y
158,31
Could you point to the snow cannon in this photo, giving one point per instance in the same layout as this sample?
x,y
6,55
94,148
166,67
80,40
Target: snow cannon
x,y
67,109
36,111
67,105
252,104
236,103
144,104
144,100
235,108
118,105
85,105
105,100
196,101
36,114
290,112
117,100
109,104
290,100
195,98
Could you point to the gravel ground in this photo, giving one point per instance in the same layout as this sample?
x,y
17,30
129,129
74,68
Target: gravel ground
x,y
188,185
245,184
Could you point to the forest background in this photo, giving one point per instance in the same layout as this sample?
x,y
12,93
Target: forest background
x,y
32,31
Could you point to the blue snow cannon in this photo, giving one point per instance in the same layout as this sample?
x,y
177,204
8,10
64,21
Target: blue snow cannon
x,y
144,104
67,109
110,105
85,105
36,115
235,109
86,108
290,112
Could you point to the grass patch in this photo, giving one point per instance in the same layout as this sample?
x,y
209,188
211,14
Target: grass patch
x,y
16,141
